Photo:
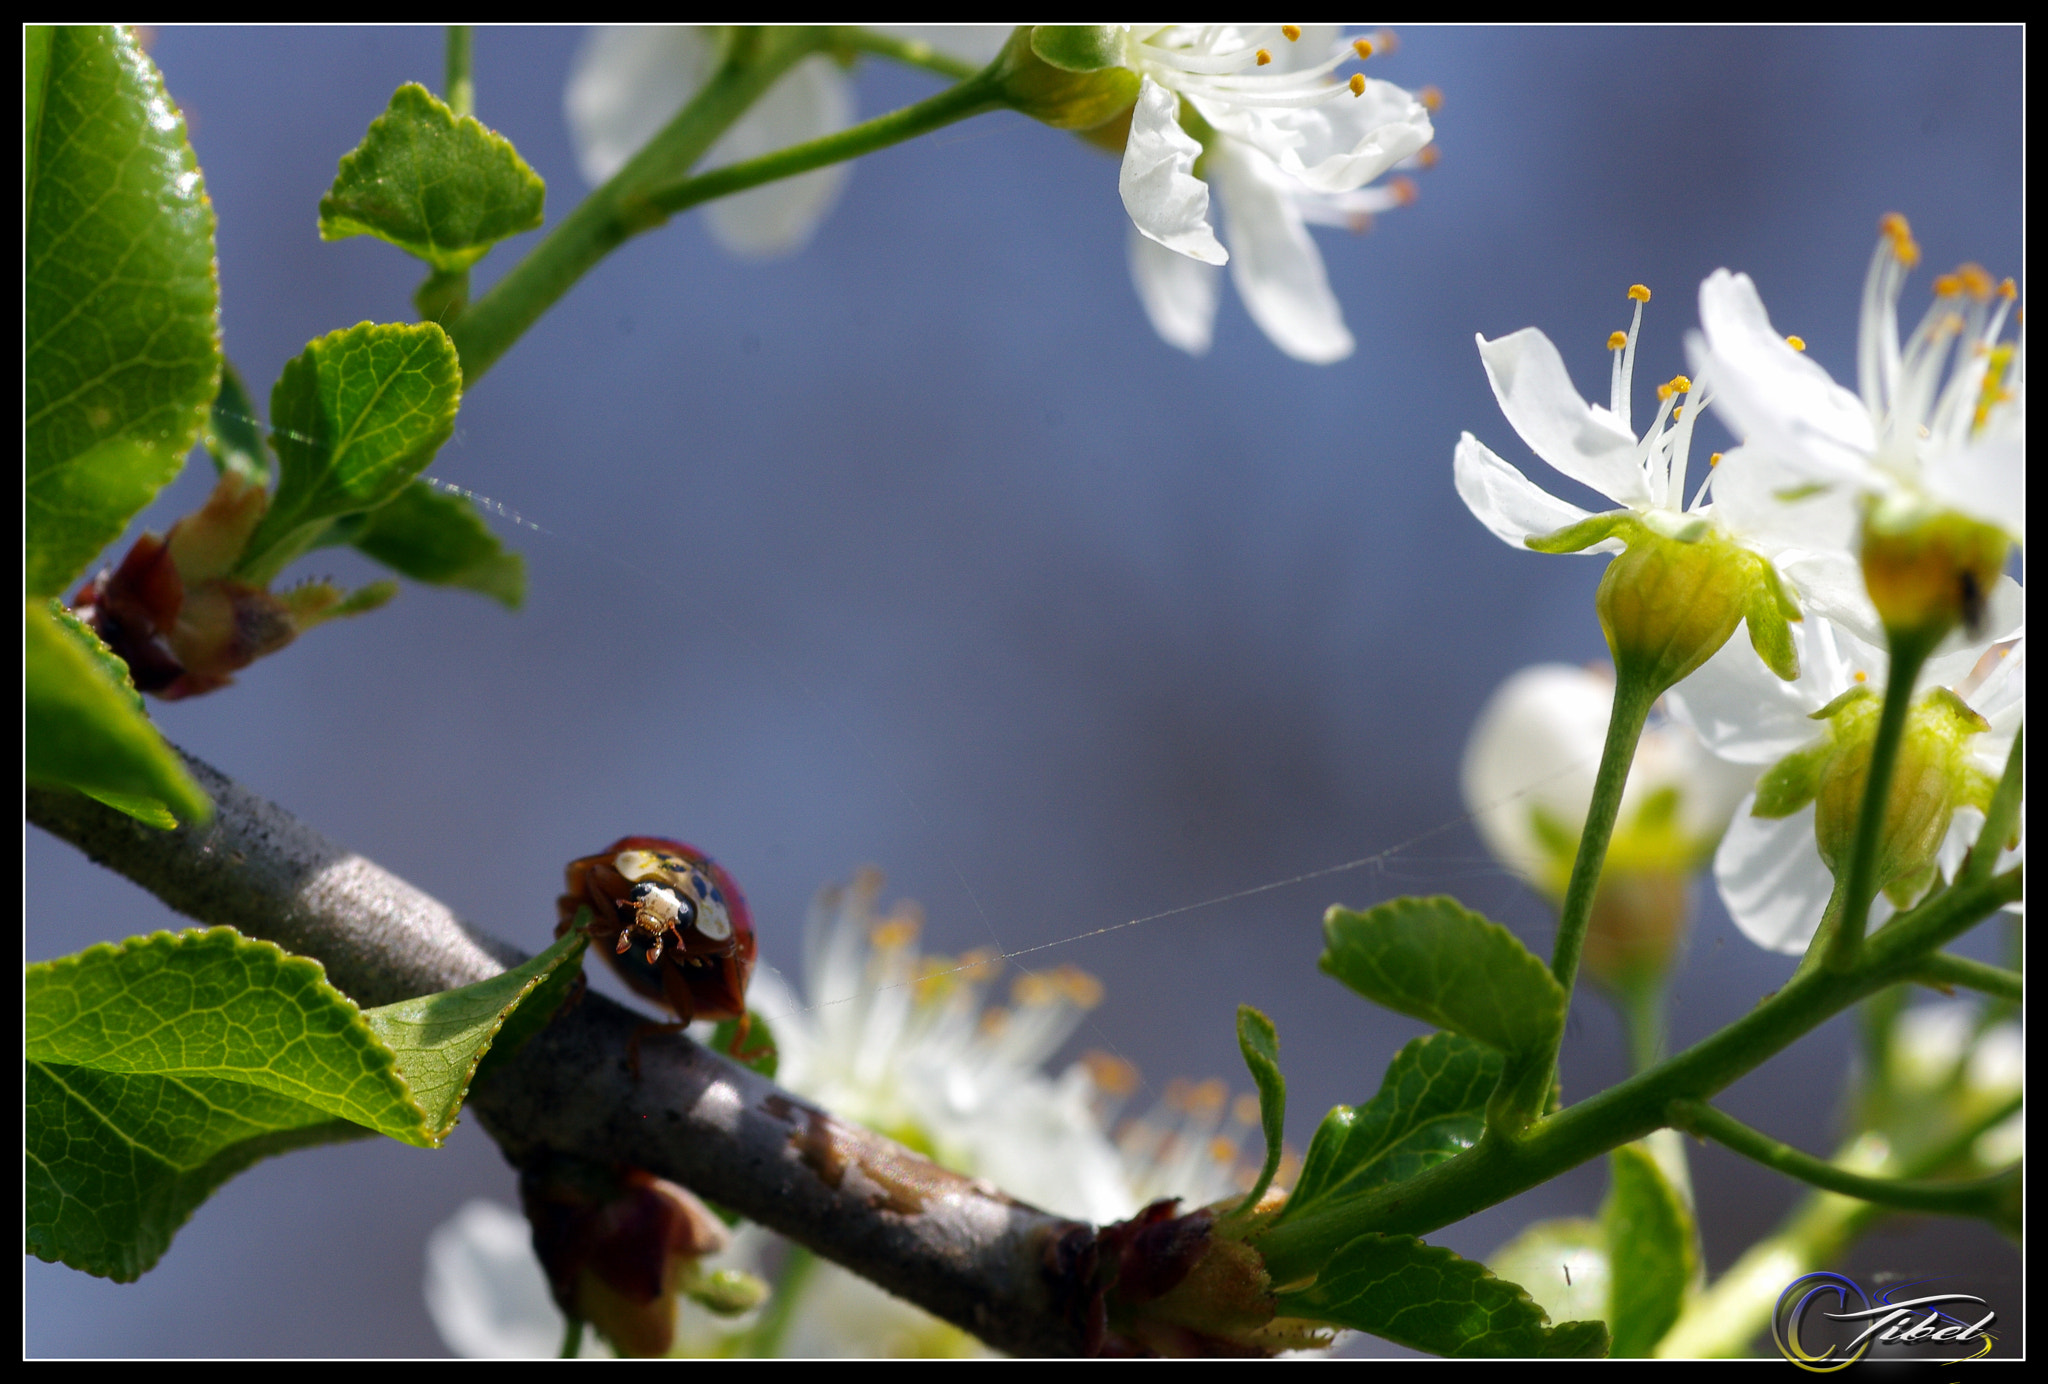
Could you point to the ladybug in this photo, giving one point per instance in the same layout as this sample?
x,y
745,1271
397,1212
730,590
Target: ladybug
x,y
672,923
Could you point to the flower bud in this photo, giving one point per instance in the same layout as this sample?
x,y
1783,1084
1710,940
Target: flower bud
x,y
1071,78
618,1244
1669,602
1928,570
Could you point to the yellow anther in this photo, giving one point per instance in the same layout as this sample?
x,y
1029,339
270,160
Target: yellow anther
x,y
1113,1076
1947,285
1357,84
1678,413
1431,98
1976,280
994,1021
1265,55
1078,986
1894,228
1207,1098
2008,289
1223,1150
1292,32
893,934
1362,47
1245,1109
1639,293
1034,991
980,964
1428,156
1677,384
1403,188
1797,343
1385,41
1862,676
1714,460
1616,340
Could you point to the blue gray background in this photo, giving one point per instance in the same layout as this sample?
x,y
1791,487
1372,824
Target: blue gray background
x,y
920,549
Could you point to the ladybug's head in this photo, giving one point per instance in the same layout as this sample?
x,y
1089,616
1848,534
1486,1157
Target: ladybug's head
x,y
674,888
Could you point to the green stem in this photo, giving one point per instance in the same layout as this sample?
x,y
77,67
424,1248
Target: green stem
x,y
1946,972
572,1339
459,85
1724,1319
2001,818
1972,1197
909,52
1859,881
1642,1013
765,1340
1497,1167
971,97
620,210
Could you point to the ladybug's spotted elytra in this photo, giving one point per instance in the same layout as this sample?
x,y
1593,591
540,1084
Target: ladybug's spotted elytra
x,y
672,923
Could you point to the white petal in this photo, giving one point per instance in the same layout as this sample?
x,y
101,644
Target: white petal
x,y
1513,507
1769,507
1584,441
1167,202
1774,396
1179,293
1334,146
811,100
485,1289
1987,481
1277,269
628,82
1741,710
1771,878
1829,585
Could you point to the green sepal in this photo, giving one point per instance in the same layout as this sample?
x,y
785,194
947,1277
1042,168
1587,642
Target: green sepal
x,y
1063,99
1435,960
439,1040
1431,1105
440,539
83,726
1792,782
1576,538
1259,1041
759,1055
354,417
435,184
1427,1298
1652,1251
120,305
234,439
1770,614
1079,47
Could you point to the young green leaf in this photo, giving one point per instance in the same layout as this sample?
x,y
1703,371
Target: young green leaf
x,y
1437,961
1652,1247
1427,1298
435,184
761,1057
439,1039
441,540
1431,1105
234,439
83,726
160,1067
354,417
1260,1043
119,302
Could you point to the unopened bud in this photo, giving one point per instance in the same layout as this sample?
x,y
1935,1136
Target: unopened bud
x,y
1068,76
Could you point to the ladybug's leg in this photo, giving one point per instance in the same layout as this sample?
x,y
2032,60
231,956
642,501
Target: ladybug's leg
x,y
735,1049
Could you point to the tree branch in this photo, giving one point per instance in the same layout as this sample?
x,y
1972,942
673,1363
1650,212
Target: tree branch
x,y
957,1247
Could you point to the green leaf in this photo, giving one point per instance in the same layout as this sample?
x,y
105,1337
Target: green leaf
x,y
1260,1043
439,1039
759,1055
354,418
1435,960
441,540
1430,1106
435,184
1427,1298
1652,1248
160,1067
234,439
1562,1265
119,301
83,726
36,41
